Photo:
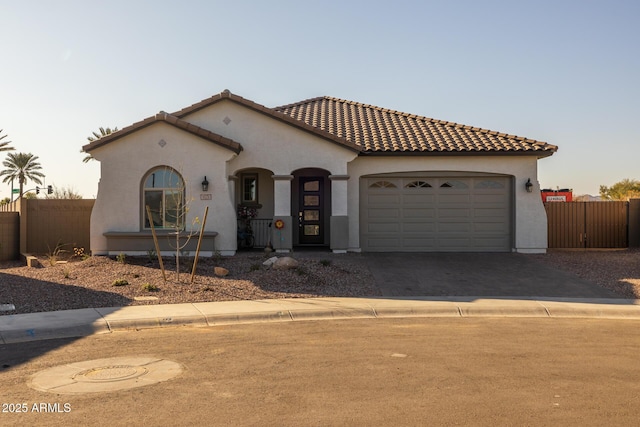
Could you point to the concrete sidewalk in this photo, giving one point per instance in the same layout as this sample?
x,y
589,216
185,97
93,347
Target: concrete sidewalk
x,y
84,322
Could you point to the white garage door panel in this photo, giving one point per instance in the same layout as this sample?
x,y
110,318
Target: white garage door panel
x,y
436,214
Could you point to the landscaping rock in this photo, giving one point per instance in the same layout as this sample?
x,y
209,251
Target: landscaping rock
x,y
220,271
285,263
7,307
270,261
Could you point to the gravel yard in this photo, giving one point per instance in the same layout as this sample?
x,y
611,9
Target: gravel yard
x,y
99,281
618,270
75,283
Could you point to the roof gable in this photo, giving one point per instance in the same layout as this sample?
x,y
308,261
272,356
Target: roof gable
x,y
173,121
384,131
227,95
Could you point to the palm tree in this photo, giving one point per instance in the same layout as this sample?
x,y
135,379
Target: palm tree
x,y
22,166
96,136
4,146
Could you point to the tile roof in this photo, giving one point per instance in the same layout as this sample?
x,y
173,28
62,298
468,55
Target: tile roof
x,y
171,120
384,131
356,126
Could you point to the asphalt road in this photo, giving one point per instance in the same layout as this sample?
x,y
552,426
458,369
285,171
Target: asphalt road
x,y
396,372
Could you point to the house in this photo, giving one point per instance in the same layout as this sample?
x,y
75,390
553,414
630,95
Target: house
x,y
320,172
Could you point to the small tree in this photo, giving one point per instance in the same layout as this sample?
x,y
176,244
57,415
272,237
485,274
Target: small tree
x,y
622,190
176,210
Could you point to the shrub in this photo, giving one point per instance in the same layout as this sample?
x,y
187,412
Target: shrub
x,y
120,282
150,287
121,258
54,254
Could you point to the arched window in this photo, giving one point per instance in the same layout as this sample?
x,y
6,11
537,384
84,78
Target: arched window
x,y
163,192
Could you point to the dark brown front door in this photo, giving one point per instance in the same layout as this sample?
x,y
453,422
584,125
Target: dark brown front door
x,y
311,211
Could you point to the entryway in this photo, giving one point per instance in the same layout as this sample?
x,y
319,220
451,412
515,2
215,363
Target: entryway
x,y
311,200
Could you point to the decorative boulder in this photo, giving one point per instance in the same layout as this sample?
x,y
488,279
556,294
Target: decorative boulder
x,y
270,261
285,263
220,271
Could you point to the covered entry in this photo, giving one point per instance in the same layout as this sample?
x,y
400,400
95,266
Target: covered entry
x,y
447,213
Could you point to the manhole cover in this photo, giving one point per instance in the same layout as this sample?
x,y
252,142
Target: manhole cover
x,y
111,373
118,373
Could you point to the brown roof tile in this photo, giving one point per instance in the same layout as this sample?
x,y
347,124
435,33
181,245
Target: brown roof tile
x,y
357,126
380,130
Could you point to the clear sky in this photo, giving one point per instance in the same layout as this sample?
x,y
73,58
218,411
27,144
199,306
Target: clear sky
x,y
560,71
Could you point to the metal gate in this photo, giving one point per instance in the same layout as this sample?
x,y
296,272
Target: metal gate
x,y
587,224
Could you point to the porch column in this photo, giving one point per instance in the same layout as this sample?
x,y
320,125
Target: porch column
x,y
339,221
233,184
282,239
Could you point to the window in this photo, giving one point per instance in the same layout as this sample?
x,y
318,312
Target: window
x,y
454,184
163,192
418,184
250,189
489,184
382,184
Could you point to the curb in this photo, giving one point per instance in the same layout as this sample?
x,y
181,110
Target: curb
x,y
89,321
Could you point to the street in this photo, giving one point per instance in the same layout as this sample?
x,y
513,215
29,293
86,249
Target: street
x,y
400,372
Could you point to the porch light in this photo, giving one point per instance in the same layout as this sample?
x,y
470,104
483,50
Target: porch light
x,y
205,185
528,186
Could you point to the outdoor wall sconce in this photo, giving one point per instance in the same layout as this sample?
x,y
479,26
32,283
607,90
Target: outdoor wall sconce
x,y
528,186
205,185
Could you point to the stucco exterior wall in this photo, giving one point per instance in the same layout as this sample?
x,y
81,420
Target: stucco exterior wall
x,y
530,220
269,143
126,161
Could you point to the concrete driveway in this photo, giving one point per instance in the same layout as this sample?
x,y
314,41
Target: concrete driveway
x,y
476,274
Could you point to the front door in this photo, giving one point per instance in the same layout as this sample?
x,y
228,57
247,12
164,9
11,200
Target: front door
x,y
311,211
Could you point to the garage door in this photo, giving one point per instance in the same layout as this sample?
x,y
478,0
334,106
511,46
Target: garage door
x,y
443,214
